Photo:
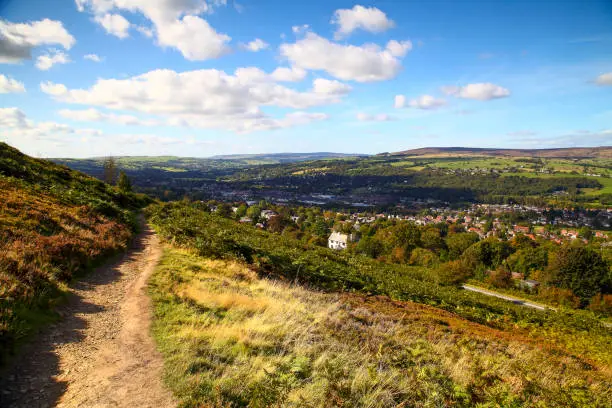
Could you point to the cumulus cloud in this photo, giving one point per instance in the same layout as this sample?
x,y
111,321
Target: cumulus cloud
x,y
94,115
52,57
479,91
114,24
604,79
365,18
399,101
18,39
283,74
92,57
381,117
365,63
16,125
203,98
176,24
426,102
256,45
10,85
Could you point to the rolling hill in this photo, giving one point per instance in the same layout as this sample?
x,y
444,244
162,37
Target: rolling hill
x,y
54,224
572,152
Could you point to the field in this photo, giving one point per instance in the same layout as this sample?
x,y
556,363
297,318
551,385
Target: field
x,y
231,338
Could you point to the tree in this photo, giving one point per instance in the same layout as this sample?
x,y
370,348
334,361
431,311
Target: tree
x,y
432,239
453,273
500,278
110,170
580,269
458,243
224,210
124,182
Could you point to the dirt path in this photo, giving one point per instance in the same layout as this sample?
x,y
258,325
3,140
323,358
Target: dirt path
x,y
101,354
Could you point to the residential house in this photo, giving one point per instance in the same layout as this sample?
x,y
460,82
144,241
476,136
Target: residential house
x,y
338,240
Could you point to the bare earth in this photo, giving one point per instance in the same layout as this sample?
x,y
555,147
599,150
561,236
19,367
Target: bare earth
x,y
101,353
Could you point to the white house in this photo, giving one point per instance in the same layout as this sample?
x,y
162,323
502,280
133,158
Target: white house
x,y
338,240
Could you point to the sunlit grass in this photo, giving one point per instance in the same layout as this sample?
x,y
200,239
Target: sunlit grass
x,y
230,338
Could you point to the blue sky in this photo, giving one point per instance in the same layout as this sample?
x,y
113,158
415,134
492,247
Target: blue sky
x,y
198,78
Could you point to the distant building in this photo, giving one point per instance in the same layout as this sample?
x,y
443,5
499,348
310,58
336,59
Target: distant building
x,y
529,284
267,214
338,240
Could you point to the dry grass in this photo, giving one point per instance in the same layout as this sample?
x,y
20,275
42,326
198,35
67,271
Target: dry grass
x,y
232,339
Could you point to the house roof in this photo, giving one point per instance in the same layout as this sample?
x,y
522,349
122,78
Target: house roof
x,y
338,236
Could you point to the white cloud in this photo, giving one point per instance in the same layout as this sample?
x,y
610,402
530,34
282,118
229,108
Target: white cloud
x,y
10,85
114,24
146,31
365,63
479,91
604,79
256,45
93,115
283,74
193,37
18,39
92,57
46,61
330,87
176,24
399,102
202,98
53,89
426,102
365,18
381,117
298,29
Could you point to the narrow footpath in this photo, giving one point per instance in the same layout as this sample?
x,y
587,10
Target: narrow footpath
x,y
100,354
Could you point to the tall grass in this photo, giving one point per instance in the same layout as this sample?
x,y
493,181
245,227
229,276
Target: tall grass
x,y
289,260
232,339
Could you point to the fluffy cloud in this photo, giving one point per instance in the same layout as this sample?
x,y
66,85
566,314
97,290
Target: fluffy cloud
x,y
283,74
93,57
203,98
381,117
176,24
9,85
93,115
114,24
426,102
604,79
365,18
480,91
256,45
16,125
18,39
366,63
399,101
46,61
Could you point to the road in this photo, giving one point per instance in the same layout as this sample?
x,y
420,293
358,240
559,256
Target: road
x,y
101,353
512,299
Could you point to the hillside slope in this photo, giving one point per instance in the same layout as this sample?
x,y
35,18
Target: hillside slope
x,y
54,224
573,152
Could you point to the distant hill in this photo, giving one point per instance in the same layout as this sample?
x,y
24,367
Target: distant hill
x,y
54,223
286,157
572,152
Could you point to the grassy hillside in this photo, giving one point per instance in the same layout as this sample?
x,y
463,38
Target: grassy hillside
x,y
572,152
54,224
241,321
